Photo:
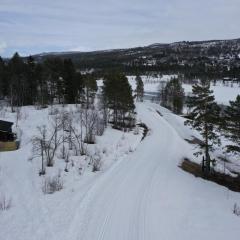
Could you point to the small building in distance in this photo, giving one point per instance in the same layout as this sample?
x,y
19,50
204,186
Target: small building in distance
x,y
7,137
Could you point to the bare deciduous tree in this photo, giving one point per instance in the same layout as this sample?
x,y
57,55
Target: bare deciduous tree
x,y
46,143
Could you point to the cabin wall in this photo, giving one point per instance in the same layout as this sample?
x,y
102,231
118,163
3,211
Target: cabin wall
x,y
8,146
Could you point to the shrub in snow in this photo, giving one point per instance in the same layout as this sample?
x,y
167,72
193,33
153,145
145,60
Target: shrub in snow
x,y
90,120
42,171
136,130
52,184
236,209
100,127
81,169
90,138
96,166
97,163
66,161
75,138
5,202
47,142
130,149
63,152
104,151
53,110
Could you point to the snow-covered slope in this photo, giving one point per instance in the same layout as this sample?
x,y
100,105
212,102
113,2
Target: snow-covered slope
x,y
143,195
33,214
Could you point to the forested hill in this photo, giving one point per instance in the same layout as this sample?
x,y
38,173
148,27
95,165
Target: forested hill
x,y
216,57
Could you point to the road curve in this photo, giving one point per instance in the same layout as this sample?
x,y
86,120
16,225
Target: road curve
x,y
146,196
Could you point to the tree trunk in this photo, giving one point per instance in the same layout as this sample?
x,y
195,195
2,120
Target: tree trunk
x,y
207,167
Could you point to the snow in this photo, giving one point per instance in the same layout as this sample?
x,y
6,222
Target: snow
x,y
223,92
151,84
20,182
140,193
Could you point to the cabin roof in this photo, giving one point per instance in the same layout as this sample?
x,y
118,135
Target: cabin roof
x,y
5,126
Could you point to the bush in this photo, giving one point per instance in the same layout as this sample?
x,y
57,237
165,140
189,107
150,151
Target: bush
x,y
52,184
90,138
236,209
5,202
136,130
100,127
97,163
53,110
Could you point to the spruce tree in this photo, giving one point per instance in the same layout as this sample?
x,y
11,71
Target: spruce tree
x,y
232,125
69,81
31,81
139,88
205,117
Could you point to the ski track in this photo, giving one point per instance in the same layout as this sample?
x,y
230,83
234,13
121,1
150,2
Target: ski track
x,y
143,196
124,192
136,199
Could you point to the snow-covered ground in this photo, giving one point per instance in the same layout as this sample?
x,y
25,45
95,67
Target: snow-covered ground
x,y
185,132
223,92
33,214
140,192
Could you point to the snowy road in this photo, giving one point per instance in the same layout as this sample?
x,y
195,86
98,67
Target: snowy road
x,y
143,195
146,196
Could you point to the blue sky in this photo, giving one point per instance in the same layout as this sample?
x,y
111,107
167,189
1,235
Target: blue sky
x,y
30,26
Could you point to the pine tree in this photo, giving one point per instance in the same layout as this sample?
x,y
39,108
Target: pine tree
x,y
79,86
162,93
53,74
174,95
119,99
31,81
90,88
42,86
232,125
205,116
2,77
16,69
69,81
139,88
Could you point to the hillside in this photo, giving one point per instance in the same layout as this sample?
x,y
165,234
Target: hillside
x,y
173,56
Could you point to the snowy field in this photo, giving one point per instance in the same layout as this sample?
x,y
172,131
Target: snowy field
x,y
139,193
223,92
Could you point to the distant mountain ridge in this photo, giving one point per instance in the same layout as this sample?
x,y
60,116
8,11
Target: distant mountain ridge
x,y
160,45
211,52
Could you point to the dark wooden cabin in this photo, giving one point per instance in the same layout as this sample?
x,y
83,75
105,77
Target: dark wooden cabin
x,y
6,134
